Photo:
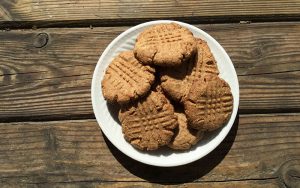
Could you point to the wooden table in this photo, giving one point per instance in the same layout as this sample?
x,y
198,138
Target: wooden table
x,y
49,135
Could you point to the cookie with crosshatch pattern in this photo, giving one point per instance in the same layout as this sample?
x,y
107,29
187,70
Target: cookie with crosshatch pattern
x,y
209,104
176,82
126,79
149,122
165,45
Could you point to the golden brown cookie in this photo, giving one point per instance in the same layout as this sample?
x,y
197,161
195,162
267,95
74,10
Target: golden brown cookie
x,y
185,137
165,45
126,79
209,104
176,82
148,123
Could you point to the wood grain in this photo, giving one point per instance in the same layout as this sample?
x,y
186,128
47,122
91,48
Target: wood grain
x,y
259,147
239,184
56,10
47,73
228,184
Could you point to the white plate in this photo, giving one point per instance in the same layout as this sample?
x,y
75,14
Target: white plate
x,y
110,125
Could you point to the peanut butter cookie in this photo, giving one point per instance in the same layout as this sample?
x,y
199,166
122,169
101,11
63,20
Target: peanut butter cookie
x,y
185,137
209,104
176,82
165,45
126,79
149,122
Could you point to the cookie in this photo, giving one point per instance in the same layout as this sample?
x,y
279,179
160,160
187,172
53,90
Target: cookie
x,y
209,104
126,79
185,137
165,45
148,123
176,82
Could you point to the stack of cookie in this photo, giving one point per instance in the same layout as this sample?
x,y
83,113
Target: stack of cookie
x,y
168,89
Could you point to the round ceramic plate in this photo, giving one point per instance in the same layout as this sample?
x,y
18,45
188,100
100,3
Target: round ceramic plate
x,y
106,114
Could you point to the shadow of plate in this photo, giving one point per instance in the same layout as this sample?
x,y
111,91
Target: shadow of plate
x,y
178,174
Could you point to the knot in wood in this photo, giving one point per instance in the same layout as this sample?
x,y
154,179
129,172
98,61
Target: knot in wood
x,y
289,173
40,40
257,52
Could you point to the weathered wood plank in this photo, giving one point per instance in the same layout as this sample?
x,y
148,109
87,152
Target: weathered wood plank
x,y
47,73
56,10
239,184
228,184
259,147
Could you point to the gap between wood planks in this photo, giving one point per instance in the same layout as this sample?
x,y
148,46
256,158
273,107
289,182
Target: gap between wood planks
x,y
254,180
9,25
43,118
245,184
195,182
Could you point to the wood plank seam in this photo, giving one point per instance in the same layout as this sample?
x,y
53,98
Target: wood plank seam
x,y
132,181
90,23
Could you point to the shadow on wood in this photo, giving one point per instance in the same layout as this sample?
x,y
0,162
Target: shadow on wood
x,y
179,174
